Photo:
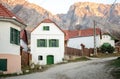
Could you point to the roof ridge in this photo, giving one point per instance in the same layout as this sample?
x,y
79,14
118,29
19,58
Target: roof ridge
x,y
9,14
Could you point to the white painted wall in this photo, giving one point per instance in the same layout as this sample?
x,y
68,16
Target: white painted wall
x,y
53,33
87,41
5,46
107,39
24,45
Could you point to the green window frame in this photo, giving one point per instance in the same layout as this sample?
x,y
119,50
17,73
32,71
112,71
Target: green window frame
x,y
41,43
53,43
3,64
46,28
14,36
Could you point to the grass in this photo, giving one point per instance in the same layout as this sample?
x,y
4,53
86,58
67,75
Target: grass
x,y
79,59
105,55
116,68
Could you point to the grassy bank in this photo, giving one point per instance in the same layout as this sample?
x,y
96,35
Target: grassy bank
x,y
105,55
116,68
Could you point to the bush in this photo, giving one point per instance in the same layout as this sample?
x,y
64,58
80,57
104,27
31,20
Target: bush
x,y
106,47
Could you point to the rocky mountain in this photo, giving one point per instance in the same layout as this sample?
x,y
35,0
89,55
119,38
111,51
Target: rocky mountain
x,y
79,16
30,13
82,15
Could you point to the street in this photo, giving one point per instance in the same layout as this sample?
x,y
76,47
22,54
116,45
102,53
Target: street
x,y
92,69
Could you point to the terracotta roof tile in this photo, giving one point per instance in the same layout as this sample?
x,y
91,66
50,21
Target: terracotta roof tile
x,y
82,33
71,34
4,12
89,32
47,21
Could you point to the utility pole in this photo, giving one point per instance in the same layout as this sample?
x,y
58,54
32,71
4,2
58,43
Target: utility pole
x,y
95,49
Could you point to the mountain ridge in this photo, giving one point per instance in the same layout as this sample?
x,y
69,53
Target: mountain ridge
x,y
79,16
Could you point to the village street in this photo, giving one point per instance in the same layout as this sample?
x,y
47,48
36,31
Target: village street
x,y
92,69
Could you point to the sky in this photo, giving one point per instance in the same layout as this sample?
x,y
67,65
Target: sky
x,y
62,6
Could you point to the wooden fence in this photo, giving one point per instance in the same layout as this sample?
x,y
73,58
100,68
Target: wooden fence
x,y
117,49
77,52
25,58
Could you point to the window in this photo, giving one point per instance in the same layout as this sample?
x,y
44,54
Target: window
x,y
53,43
3,64
46,28
41,43
40,57
14,36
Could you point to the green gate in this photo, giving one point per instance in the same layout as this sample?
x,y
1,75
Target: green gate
x,y
3,64
50,59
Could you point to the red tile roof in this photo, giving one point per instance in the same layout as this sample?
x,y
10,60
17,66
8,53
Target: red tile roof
x,y
89,32
47,21
23,36
82,33
71,34
5,13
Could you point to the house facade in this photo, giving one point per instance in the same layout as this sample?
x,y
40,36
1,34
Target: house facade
x,y
47,43
86,37
10,27
106,38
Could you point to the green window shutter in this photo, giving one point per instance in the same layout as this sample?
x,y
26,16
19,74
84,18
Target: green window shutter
x,y
38,43
45,43
50,43
18,37
3,64
43,27
53,43
11,35
57,43
41,42
14,36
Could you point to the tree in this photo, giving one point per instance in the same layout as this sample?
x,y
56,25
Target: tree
x,y
106,47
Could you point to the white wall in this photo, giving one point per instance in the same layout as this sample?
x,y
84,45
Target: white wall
x,y
53,33
24,45
87,41
5,46
107,39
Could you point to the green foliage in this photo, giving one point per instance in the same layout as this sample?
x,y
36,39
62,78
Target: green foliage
x,y
116,71
106,47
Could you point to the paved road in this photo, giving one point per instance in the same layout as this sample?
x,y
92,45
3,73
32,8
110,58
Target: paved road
x,y
92,69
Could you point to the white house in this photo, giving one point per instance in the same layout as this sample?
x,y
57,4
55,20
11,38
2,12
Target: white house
x,y
10,27
47,43
86,37
106,38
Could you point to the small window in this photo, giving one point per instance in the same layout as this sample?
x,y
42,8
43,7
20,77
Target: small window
x,y
40,57
3,64
53,43
46,28
41,43
14,36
